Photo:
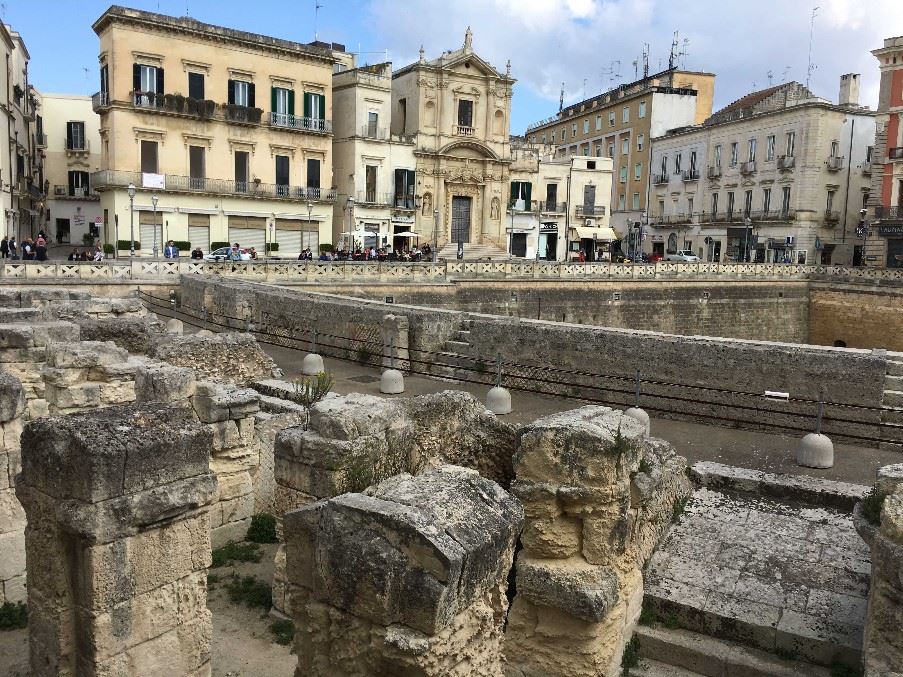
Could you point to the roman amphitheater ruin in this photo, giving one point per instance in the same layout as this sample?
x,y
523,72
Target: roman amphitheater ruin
x,y
150,418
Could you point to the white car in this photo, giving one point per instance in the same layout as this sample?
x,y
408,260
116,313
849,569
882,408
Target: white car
x,y
223,254
683,256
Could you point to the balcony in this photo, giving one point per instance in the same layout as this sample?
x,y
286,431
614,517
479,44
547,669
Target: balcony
x,y
675,219
889,212
76,146
714,173
372,197
100,100
242,115
40,140
106,179
659,179
866,168
299,123
374,132
834,164
404,202
464,130
553,207
690,175
747,168
895,153
77,193
832,216
590,210
786,161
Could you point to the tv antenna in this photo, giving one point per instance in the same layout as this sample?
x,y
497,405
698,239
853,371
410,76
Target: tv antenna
x,y
645,60
785,73
684,52
672,57
613,72
770,78
317,8
636,69
561,99
811,66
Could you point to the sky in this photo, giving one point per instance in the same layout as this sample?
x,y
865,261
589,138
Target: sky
x,y
589,45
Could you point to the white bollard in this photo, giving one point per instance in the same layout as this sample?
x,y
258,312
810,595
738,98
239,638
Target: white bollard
x,y
203,332
174,326
312,364
498,401
815,451
639,415
391,382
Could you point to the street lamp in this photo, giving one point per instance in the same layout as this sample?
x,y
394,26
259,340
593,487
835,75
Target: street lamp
x,y
269,250
350,204
132,220
154,200
309,210
435,235
748,223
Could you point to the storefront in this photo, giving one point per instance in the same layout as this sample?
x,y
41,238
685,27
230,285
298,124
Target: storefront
x,y
548,241
595,243
894,235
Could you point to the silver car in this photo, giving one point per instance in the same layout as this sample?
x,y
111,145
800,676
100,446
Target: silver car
x,y
683,256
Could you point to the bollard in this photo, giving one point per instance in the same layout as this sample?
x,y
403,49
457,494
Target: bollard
x,y
174,326
392,381
816,450
635,412
498,399
312,364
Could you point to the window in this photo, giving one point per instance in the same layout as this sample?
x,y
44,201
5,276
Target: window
x,y
586,126
521,195
598,122
372,124
574,130
868,154
196,85
146,82
282,103
585,150
642,109
834,148
611,118
692,160
735,153
751,148
611,150
621,202
625,114
79,184
589,196
730,203
149,157
403,111
315,108
404,188
664,165
75,136
689,205
282,172
625,146
661,207
241,171
564,134
242,93
785,200
370,183
637,171
769,148
677,162
551,196
313,174
714,203
465,113
791,142
640,141
830,204
598,151
766,200
718,156
553,137
196,168
105,83
623,175
747,205
636,200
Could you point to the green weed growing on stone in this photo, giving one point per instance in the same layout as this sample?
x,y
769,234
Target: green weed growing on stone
x,y
871,505
263,528
679,506
283,631
672,622
370,466
236,552
13,616
648,614
311,389
620,445
645,466
631,657
212,580
249,591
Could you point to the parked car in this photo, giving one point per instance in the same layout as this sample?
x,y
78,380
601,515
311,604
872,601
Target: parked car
x,y
683,256
222,254
655,258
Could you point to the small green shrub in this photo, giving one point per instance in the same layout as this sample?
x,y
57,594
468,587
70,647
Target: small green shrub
x,y
88,240
311,389
123,245
620,445
631,657
250,591
871,505
680,505
219,245
212,579
263,528
272,247
108,249
325,247
181,245
369,467
283,631
236,552
645,466
13,616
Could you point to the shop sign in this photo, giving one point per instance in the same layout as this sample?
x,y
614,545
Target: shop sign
x,y
890,230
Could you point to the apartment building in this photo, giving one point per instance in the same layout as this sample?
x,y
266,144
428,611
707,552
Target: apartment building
x,y
777,176
374,168
72,154
619,124
458,108
21,161
884,245
223,135
559,206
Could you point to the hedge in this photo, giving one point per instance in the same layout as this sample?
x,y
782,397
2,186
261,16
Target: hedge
x,y
123,245
182,245
273,247
325,247
108,249
219,245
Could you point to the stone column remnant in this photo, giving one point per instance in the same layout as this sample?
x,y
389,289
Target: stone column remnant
x,y
118,542
408,578
12,517
597,497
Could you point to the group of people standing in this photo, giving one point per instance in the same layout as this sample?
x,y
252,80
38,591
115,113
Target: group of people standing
x,y
27,250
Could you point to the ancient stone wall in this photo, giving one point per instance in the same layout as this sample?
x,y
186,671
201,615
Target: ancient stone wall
x,y
860,315
597,498
408,578
12,517
118,542
228,357
87,375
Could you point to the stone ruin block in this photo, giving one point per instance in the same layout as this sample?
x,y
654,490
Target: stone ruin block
x,y
118,542
87,375
593,514
229,357
137,334
12,516
407,578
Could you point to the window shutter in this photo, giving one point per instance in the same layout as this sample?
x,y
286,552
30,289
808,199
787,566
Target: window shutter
x,y
160,89
251,98
86,181
273,99
71,183
515,186
322,107
291,102
136,77
527,197
231,98
68,135
307,98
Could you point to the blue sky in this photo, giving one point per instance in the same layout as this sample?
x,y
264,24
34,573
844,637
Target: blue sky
x,y
548,41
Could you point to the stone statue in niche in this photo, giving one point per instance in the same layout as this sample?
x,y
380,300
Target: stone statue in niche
x,y
427,204
494,209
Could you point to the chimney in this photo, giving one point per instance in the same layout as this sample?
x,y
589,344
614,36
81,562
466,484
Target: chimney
x,y
849,90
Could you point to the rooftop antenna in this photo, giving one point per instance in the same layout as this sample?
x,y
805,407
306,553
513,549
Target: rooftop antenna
x,y
612,72
317,7
785,73
673,55
811,67
645,60
636,69
684,52
770,78
561,99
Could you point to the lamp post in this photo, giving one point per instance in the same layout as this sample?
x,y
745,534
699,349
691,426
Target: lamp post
x,y
350,204
746,233
269,249
131,220
309,210
154,199
435,235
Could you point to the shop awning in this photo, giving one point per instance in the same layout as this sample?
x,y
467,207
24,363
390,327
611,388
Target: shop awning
x,y
585,232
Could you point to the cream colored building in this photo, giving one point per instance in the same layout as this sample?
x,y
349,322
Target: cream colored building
x,y
778,175
458,107
559,206
374,168
72,154
230,131
620,124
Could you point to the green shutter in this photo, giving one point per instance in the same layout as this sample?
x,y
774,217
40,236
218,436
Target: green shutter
x,y
307,104
528,199
273,97
322,107
291,102
514,187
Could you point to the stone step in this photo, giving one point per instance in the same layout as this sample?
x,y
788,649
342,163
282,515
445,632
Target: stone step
x,y
457,346
450,359
473,252
893,382
650,668
894,368
893,398
463,335
712,657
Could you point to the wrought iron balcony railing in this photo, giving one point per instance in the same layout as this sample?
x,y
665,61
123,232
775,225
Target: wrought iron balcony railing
x,y
786,161
691,175
590,210
373,197
834,163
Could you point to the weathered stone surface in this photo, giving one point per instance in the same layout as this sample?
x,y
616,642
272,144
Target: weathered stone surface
x,y
584,591
12,397
157,381
229,357
215,402
135,334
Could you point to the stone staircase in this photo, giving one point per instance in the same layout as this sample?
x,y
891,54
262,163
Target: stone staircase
x,y
454,361
893,384
473,252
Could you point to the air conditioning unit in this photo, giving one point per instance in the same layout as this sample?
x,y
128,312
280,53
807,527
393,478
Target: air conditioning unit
x,y
789,240
59,190
590,223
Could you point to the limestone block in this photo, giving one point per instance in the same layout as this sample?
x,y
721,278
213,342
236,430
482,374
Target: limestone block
x,y
582,590
39,296
14,590
892,518
231,357
555,538
117,393
219,402
229,531
890,478
352,416
156,381
116,371
233,485
12,397
307,447
12,516
225,435
12,554
36,408
10,298
16,336
76,396
46,333
63,378
85,354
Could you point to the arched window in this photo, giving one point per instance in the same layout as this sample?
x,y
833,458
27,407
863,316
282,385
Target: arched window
x,y
672,243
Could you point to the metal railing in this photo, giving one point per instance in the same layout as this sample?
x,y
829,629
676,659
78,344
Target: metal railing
x,y
895,153
109,178
889,212
714,172
786,161
748,167
464,130
40,139
369,131
404,202
100,100
832,216
297,122
374,197
553,207
78,145
78,192
835,163
590,210
691,175
658,179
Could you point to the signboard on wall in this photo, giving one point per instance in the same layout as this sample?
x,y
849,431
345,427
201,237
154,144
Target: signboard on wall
x,y
153,181
890,230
